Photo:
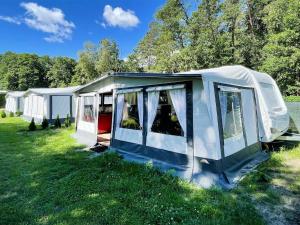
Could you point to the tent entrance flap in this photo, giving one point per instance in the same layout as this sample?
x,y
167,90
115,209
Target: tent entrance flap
x,y
238,118
104,120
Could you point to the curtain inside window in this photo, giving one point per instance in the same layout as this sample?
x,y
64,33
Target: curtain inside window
x,y
140,107
153,97
178,97
120,107
223,104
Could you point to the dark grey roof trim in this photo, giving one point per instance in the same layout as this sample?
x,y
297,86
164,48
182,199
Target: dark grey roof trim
x,y
138,75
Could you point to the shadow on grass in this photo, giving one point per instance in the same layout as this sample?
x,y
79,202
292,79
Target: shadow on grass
x,y
46,182
276,184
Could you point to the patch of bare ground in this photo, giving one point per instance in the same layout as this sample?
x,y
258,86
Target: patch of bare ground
x,y
284,185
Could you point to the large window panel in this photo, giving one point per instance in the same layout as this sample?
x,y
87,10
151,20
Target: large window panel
x,y
130,114
88,114
230,103
166,119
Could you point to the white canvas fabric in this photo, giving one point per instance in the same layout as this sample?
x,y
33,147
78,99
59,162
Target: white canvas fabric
x,y
153,99
271,117
250,120
178,98
60,106
14,101
140,107
120,107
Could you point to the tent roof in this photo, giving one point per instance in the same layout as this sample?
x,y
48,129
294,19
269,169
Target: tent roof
x,y
49,91
15,93
236,74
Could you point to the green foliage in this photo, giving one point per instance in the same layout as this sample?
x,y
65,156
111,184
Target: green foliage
x,y
32,126
45,123
18,113
3,114
57,123
292,98
260,34
108,57
130,123
61,72
2,100
11,114
85,69
282,51
67,121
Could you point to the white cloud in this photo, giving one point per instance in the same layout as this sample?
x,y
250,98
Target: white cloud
x,y
47,20
10,19
51,21
117,17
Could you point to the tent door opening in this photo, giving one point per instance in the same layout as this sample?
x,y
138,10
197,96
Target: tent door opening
x,y
239,119
104,118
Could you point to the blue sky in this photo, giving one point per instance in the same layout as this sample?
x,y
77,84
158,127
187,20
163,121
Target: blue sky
x,y
60,27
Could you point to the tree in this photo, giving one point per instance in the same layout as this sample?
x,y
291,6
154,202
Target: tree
x,y
85,70
146,49
132,64
108,57
61,72
25,73
281,55
208,43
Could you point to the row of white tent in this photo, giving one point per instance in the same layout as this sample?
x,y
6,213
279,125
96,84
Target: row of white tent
x,y
39,103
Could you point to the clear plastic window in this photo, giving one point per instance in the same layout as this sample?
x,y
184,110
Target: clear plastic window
x,y
166,121
88,109
130,117
230,103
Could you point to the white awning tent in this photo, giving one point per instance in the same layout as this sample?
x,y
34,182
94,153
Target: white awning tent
x,y
223,115
49,103
14,101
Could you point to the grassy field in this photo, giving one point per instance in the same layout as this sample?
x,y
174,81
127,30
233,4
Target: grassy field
x,y
45,180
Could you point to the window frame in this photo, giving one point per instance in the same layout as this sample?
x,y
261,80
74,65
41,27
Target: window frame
x,y
172,109
137,112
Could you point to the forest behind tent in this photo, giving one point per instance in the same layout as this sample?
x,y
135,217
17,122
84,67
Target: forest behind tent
x,y
207,124
49,103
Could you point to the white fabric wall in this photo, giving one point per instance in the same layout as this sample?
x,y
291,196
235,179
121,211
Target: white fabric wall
x,y
129,135
60,106
35,106
250,120
11,104
90,127
206,133
21,106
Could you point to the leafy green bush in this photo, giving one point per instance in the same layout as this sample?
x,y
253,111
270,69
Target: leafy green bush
x,y
67,121
11,114
57,123
45,123
3,114
292,98
32,126
18,113
130,124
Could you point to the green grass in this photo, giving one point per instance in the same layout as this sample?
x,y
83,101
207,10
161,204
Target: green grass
x,y
43,180
292,98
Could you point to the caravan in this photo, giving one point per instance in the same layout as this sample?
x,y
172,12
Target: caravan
x,y
207,125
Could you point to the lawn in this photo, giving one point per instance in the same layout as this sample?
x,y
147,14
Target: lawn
x,y
44,179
